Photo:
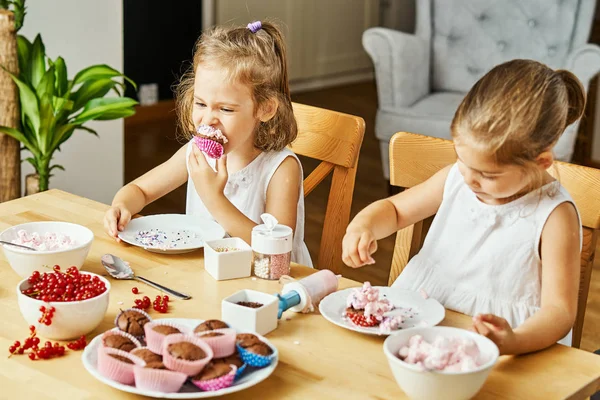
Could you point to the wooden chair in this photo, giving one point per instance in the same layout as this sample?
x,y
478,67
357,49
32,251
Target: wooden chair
x,y
335,139
414,158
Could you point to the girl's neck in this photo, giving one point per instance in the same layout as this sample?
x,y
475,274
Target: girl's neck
x,y
240,158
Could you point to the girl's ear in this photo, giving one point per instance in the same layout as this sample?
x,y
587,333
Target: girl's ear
x,y
545,159
268,110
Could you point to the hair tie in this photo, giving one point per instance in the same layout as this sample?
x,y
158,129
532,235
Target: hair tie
x,y
254,26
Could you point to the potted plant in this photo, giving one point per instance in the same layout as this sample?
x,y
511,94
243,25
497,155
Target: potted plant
x,y
54,107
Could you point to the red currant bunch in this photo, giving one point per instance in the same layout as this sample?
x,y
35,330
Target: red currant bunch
x,y
78,344
143,303
161,304
64,286
47,314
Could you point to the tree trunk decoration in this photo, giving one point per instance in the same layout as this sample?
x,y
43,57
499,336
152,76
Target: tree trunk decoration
x,y
10,154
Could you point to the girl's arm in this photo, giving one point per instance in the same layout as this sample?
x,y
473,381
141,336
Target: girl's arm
x,y
154,184
281,201
388,216
560,253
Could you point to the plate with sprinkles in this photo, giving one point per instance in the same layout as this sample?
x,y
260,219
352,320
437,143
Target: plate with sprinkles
x,y
171,233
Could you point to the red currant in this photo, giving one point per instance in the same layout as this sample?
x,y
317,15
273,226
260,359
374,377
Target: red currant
x,y
134,290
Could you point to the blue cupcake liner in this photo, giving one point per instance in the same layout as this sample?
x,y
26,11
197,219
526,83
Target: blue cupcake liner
x,y
254,360
240,371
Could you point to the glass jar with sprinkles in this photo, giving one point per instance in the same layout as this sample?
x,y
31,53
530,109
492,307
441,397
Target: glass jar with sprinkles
x,y
272,248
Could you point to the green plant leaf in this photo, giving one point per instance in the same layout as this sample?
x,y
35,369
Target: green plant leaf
x,y
96,107
116,114
29,104
24,55
62,81
33,162
85,128
57,166
90,90
99,71
66,135
20,136
47,124
38,60
46,85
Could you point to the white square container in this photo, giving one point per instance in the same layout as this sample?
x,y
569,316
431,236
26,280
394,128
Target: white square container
x,y
223,265
261,320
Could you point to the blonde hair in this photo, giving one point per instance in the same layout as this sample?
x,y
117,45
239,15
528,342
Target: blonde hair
x,y
517,111
257,60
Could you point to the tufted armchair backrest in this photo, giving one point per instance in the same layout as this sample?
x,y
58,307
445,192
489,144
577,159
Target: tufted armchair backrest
x,y
469,37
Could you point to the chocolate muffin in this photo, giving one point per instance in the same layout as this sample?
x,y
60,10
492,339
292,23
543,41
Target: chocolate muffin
x,y
121,358
119,342
186,351
232,359
212,370
147,355
132,322
246,336
155,365
260,348
210,325
165,329
211,334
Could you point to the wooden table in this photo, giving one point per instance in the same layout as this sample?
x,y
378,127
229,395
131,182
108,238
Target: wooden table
x,y
317,358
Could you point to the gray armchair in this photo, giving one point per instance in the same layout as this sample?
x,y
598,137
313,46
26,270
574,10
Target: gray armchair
x,y
422,77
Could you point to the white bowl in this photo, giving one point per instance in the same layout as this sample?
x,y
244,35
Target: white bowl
x,y
71,319
24,262
422,384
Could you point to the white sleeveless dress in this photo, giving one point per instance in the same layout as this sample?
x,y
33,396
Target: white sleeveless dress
x,y
247,191
480,258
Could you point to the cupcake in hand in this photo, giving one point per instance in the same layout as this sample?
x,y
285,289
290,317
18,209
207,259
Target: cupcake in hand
x,y
210,141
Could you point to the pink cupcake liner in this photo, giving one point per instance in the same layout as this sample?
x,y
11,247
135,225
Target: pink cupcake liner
x,y
154,340
132,309
158,380
117,331
219,383
212,148
114,369
222,346
189,368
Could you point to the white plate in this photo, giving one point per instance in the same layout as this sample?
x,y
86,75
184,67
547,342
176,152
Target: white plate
x,y
178,233
424,312
188,391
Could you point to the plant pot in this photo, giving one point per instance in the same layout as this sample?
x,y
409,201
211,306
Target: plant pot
x,y
32,184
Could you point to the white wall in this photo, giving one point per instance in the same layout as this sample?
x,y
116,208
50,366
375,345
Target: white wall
x,y
83,32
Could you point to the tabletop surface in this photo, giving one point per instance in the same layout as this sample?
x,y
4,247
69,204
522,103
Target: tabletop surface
x,y
317,358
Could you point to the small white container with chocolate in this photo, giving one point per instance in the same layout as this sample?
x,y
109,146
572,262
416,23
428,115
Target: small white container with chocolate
x,y
250,311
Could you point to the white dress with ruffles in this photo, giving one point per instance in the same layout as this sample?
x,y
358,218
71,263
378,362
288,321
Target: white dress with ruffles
x,y
247,191
480,258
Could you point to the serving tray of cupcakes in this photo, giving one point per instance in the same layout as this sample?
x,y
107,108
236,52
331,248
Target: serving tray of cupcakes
x,y
178,358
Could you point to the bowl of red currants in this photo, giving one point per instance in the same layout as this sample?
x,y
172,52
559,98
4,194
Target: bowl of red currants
x,y
52,242
63,305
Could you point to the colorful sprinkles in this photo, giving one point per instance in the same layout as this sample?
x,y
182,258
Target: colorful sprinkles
x,y
156,238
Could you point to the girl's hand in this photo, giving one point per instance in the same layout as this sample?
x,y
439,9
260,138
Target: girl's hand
x,y
497,329
357,247
115,220
209,184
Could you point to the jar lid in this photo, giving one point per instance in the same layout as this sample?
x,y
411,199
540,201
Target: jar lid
x,y
272,237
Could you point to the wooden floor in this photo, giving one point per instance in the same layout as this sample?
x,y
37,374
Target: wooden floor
x,y
150,140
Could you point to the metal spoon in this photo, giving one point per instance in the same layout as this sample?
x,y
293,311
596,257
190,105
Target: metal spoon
x,y
17,245
119,269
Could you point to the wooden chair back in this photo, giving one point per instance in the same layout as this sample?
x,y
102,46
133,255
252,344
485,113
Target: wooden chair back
x,y
333,138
